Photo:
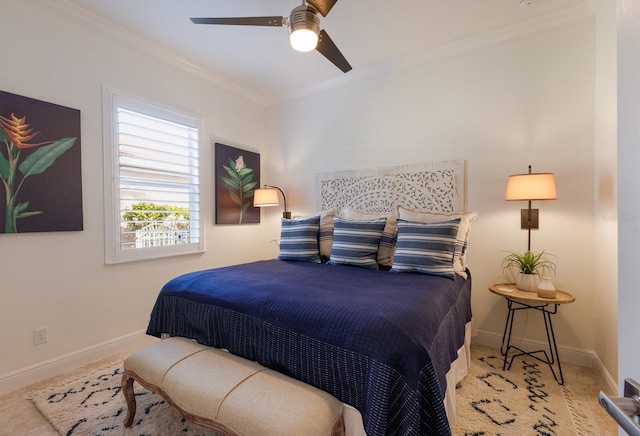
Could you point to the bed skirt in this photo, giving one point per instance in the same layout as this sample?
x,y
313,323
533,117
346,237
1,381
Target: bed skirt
x,y
353,423
458,370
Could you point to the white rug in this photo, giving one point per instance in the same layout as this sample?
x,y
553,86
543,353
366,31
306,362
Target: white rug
x,y
94,405
525,400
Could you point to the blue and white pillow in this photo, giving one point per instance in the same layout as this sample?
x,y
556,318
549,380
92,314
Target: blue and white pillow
x,y
299,240
356,242
388,240
426,247
464,232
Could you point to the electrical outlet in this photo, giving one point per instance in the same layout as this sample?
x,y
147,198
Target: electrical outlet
x,y
40,336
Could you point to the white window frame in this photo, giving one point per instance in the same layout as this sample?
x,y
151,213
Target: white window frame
x,y
112,100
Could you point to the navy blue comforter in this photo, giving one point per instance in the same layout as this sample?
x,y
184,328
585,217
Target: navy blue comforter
x,y
377,340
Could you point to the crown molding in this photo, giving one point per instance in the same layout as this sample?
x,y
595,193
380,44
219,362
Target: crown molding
x,y
544,22
124,36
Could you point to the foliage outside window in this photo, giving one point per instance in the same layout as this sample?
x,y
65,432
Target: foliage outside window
x,y
142,214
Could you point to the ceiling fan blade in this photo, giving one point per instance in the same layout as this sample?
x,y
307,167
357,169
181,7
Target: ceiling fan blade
x,y
322,6
242,21
331,52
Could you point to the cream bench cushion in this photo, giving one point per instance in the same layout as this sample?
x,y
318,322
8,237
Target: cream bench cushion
x,y
232,395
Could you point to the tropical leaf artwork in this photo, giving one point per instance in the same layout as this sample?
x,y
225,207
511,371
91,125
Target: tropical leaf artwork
x,y
239,183
15,135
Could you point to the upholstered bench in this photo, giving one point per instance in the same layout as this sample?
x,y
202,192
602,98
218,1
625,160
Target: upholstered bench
x,y
232,395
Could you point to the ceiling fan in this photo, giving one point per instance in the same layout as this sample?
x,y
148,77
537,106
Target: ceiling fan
x,y
304,29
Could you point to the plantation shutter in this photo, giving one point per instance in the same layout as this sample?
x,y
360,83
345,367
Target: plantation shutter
x,y
155,190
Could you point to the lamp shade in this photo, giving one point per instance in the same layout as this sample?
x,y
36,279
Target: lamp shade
x,y
265,197
532,186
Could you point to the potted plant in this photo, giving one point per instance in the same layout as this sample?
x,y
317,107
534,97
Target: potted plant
x,y
529,266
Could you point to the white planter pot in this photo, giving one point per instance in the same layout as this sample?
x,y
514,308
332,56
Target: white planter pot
x,y
527,282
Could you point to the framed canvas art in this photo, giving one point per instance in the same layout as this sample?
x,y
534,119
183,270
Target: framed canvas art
x,y
237,177
40,166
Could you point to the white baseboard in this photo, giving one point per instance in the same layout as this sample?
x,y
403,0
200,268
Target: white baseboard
x,y
576,356
609,385
50,368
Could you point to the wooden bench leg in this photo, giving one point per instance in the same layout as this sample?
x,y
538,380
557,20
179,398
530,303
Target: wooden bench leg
x,y
127,390
339,429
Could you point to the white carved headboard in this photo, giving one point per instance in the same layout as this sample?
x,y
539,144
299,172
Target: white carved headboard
x,y
437,187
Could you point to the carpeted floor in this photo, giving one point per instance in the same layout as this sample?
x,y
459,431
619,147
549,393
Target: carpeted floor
x,y
523,401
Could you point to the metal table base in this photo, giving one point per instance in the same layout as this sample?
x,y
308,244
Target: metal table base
x,y
506,346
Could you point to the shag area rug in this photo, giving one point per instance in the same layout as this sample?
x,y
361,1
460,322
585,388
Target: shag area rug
x,y
525,400
94,405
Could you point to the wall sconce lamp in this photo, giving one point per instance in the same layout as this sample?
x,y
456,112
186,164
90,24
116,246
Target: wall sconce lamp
x,y
529,187
269,197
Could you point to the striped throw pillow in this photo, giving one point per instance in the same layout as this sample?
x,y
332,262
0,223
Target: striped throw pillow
x,y
426,247
356,242
388,240
299,240
464,231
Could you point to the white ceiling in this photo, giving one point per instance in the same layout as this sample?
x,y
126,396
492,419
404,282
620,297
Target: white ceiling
x,y
370,34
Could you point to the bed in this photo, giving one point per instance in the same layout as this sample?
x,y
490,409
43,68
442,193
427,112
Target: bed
x,y
390,343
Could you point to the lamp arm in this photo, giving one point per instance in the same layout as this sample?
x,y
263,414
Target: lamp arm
x,y
283,196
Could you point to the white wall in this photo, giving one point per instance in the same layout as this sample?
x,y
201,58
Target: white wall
x,y
59,280
528,100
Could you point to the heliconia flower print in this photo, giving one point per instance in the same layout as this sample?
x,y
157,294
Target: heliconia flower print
x,y
15,134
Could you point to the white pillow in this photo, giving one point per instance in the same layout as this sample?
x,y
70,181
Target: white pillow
x,y
389,234
325,234
464,232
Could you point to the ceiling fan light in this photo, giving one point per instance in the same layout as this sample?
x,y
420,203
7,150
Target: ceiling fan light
x,y
303,39
304,28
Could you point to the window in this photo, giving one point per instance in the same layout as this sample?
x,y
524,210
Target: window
x,y
152,202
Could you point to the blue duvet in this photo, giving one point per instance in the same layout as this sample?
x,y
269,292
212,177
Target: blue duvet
x,y
377,340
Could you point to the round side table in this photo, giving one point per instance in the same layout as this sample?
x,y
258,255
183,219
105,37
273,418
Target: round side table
x,y
522,300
